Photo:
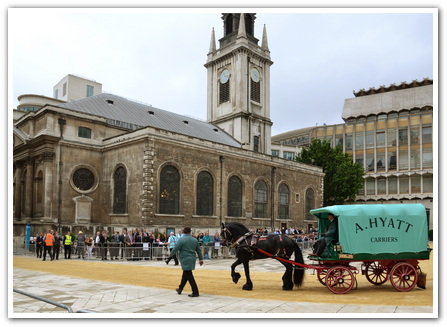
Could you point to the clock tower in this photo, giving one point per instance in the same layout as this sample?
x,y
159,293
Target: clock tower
x,y
239,83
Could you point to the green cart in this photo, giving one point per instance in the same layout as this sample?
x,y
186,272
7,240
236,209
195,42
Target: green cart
x,y
389,240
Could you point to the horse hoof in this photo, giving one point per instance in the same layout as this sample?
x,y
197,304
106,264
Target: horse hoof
x,y
247,287
287,288
236,277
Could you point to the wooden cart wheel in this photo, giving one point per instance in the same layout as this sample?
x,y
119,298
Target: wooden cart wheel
x,y
403,277
376,273
321,275
340,280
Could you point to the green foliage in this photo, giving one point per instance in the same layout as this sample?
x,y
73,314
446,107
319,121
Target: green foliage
x,y
343,177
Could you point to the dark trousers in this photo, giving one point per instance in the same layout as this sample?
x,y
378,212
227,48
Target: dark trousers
x,y
189,277
56,250
67,251
39,251
173,257
45,249
320,246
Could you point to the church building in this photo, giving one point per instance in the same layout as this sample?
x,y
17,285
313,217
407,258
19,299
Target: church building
x,y
105,162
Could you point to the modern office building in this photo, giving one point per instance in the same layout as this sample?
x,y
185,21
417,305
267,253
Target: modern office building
x,y
389,131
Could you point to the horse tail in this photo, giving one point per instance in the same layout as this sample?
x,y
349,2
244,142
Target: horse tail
x,y
298,274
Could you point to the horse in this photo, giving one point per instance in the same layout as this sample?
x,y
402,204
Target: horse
x,y
247,243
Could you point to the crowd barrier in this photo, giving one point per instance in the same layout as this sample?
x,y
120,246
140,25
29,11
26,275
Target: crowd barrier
x,y
147,251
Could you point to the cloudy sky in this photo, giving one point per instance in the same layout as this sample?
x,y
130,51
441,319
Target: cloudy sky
x,y
157,56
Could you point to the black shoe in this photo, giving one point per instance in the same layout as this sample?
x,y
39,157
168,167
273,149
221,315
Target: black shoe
x,y
179,291
167,261
193,295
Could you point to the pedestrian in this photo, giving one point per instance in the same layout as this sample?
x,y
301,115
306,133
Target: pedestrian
x,y
125,243
80,245
172,241
103,244
48,241
188,247
206,243
39,245
97,244
67,245
89,246
56,246
216,247
114,249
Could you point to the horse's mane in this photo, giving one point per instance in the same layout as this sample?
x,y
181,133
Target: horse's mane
x,y
237,226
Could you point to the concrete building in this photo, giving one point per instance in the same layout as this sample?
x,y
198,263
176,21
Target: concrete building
x,y
105,162
389,131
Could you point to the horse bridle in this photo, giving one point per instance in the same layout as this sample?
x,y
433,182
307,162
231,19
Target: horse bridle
x,y
225,231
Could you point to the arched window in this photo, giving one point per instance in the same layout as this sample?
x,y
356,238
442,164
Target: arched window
x,y
120,191
283,201
261,199
205,194
235,197
170,190
310,203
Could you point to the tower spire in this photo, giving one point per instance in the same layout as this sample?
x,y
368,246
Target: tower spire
x,y
212,43
241,31
265,44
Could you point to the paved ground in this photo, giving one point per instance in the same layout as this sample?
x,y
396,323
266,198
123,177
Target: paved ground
x,y
121,299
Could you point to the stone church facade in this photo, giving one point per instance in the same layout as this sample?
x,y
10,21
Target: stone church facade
x,y
106,162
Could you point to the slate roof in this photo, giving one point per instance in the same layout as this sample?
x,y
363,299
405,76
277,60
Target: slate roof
x,y
123,112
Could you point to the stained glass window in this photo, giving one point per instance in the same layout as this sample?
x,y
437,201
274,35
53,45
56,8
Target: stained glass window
x,y
310,204
234,197
283,201
83,179
120,190
205,194
169,190
261,199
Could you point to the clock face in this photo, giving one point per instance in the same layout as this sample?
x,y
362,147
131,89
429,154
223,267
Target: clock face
x,y
224,76
254,75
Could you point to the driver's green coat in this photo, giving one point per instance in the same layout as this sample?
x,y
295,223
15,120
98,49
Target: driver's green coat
x,y
379,228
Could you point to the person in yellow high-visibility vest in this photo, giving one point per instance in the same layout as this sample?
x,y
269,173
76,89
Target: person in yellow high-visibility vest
x,y
67,245
48,241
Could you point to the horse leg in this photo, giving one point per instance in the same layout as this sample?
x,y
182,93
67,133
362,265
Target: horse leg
x,y
287,282
248,285
235,275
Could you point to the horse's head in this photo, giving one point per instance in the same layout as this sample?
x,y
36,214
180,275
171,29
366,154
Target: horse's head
x,y
226,235
232,231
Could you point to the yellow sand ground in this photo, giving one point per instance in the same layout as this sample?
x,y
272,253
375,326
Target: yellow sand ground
x,y
267,285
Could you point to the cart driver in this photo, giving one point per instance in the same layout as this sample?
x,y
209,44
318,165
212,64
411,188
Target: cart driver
x,y
327,238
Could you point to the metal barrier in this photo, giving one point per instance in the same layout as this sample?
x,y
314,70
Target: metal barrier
x,y
136,251
57,304
305,244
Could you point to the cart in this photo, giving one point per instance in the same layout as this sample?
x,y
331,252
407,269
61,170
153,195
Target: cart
x,y
387,240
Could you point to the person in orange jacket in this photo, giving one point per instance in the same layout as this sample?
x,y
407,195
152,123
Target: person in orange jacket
x,y
48,242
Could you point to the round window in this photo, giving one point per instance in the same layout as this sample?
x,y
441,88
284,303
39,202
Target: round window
x,y
83,179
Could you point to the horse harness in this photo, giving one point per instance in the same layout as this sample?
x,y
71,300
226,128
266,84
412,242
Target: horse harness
x,y
255,238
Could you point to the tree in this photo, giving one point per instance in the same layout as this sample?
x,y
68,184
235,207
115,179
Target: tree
x,y
343,177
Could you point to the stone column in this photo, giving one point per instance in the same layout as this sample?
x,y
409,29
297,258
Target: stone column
x,y
18,192
28,205
49,167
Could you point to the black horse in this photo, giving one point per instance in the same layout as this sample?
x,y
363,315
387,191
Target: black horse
x,y
247,243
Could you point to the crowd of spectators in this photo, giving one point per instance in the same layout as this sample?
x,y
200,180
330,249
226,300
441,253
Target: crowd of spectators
x,y
145,245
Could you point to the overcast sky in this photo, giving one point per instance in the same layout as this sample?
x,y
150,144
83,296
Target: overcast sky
x,y
158,57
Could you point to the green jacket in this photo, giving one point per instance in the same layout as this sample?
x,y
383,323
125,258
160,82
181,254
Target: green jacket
x,y
187,247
